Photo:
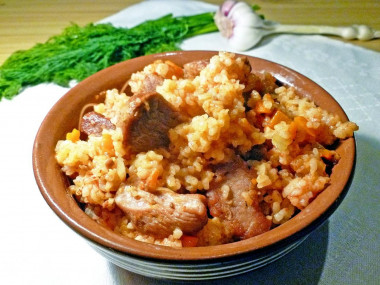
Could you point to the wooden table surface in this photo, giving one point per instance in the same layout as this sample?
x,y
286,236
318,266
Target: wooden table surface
x,y
24,23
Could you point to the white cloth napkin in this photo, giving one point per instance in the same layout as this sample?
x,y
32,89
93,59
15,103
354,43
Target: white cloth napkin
x,y
37,248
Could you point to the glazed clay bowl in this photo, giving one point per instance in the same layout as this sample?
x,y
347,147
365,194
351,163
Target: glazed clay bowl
x,y
199,263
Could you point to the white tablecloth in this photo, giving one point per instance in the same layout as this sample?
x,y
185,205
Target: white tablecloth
x,y
37,248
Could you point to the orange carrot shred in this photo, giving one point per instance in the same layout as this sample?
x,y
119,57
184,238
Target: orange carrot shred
x,y
152,179
189,241
73,135
174,70
302,124
327,154
107,144
278,117
260,108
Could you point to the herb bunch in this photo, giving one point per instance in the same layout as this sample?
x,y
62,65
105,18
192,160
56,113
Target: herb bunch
x,y
79,52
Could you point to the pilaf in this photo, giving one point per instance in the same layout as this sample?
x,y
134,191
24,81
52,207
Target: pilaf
x,y
204,154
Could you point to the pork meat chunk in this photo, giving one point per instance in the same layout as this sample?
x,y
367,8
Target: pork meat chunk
x,y
194,68
161,212
149,84
94,123
231,200
148,122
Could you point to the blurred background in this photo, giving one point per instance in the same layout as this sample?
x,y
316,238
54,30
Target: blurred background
x,y
24,23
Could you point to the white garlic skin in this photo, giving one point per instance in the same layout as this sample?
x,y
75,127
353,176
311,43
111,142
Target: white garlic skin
x,y
244,34
244,38
243,15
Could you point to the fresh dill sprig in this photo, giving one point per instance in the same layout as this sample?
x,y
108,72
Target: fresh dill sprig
x,y
79,52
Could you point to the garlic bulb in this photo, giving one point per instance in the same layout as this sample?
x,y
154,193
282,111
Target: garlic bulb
x,y
244,29
238,23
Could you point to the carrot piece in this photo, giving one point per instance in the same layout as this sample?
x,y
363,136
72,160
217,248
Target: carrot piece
x,y
73,135
251,116
107,144
189,241
278,117
174,70
293,129
327,154
245,125
260,108
151,182
302,125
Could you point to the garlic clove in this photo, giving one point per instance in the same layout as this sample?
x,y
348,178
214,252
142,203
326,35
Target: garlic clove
x,y
243,28
244,38
243,15
239,24
226,7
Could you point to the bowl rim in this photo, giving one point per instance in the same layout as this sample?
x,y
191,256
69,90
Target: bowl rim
x,y
299,226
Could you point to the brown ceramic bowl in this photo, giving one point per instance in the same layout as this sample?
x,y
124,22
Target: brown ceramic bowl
x,y
187,263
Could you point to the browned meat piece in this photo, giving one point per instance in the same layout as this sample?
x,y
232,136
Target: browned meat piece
x,y
257,152
192,69
94,123
150,82
268,82
253,82
247,78
161,212
228,200
149,119
147,82
261,82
